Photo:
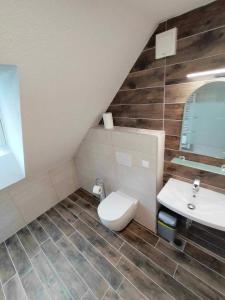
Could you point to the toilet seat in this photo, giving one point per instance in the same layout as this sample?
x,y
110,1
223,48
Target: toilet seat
x,y
117,210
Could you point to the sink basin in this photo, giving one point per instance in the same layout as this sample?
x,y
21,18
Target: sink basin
x,y
209,206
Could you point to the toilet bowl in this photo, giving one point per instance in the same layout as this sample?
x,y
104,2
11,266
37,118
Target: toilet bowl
x,y
117,210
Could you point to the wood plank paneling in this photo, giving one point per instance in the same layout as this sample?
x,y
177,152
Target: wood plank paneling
x,y
172,142
147,61
178,73
186,172
206,44
174,111
199,20
160,28
200,47
172,127
149,111
142,96
144,79
139,123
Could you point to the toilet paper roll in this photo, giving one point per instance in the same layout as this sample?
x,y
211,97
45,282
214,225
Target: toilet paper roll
x,y
108,120
97,189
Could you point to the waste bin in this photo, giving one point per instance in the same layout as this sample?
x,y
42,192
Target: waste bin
x,y
167,225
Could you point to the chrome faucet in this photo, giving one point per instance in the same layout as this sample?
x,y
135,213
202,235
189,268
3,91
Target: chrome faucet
x,y
196,187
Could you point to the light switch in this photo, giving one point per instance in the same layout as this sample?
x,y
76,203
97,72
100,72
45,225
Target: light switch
x,y
145,164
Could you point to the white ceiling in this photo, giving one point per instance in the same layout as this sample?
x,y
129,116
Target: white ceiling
x,y
72,57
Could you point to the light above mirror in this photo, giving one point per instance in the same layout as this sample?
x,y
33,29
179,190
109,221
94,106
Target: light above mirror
x,y
206,73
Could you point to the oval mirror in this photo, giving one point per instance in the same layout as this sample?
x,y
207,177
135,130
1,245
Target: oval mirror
x,y
203,127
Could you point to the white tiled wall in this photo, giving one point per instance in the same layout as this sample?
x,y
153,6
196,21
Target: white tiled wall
x,y
26,200
116,156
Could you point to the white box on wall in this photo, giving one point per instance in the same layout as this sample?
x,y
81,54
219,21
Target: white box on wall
x,y
166,43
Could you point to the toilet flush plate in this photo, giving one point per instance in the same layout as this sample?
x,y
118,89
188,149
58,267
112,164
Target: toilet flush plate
x,y
124,159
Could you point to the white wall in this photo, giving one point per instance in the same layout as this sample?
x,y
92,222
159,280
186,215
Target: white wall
x,y
97,158
26,200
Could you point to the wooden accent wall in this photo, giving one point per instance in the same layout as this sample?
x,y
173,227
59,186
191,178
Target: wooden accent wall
x,y
155,91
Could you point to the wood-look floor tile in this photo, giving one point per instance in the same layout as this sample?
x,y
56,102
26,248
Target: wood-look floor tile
x,y
7,269
106,269
67,215
205,258
13,289
141,281
49,279
197,285
208,236
143,233
29,243
207,275
33,287
205,243
65,271
74,197
2,297
71,206
152,253
18,255
163,279
94,201
61,223
111,295
38,231
87,207
50,227
95,239
107,234
95,282
128,292
88,296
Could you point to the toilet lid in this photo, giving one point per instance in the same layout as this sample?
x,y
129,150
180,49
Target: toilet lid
x,y
115,206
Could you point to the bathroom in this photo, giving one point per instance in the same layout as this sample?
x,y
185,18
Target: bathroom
x,y
112,149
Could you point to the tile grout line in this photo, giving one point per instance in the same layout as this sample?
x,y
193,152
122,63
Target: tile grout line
x,y
207,283
55,271
123,276
207,251
32,267
16,270
144,254
132,263
84,258
55,243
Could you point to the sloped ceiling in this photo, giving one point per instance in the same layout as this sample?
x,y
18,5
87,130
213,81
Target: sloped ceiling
x,y
72,57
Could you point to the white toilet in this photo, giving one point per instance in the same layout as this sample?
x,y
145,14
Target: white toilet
x,y
117,210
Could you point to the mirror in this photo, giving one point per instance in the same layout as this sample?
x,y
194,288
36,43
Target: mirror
x,y
203,127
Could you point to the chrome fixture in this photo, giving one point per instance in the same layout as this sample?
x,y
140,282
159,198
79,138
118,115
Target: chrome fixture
x,y
99,189
191,206
196,186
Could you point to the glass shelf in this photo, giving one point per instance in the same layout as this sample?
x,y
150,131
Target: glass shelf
x,y
199,166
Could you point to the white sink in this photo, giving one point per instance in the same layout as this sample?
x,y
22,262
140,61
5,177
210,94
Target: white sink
x,y
209,206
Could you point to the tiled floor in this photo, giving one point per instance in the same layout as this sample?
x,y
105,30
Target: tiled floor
x,y
67,254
